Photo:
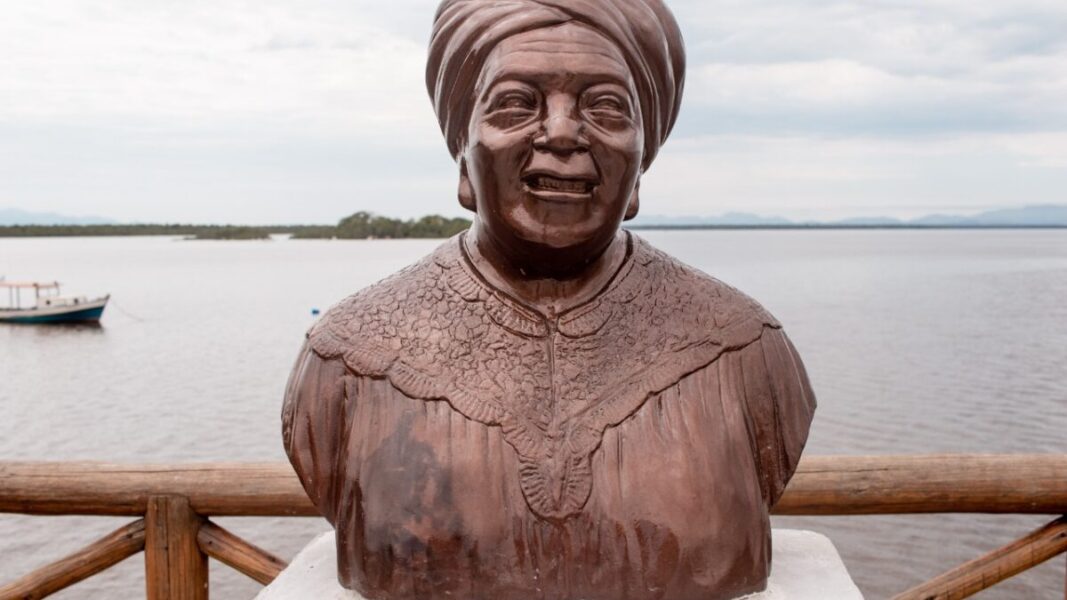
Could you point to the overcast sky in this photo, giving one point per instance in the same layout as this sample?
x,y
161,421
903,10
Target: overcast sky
x,y
279,111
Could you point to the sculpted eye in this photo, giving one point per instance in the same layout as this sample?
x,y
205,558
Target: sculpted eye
x,y
512,107
514,101
607,105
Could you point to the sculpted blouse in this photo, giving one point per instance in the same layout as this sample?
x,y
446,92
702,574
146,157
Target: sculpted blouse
x,y
464,446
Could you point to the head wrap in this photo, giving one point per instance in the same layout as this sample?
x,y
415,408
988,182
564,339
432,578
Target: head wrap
x,y
466,31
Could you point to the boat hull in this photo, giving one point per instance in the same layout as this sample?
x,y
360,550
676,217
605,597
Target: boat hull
x,y
82,313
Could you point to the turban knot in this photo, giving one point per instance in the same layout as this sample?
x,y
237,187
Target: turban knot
x,y
466,31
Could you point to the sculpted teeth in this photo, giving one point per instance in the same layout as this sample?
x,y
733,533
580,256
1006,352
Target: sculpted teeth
x,y
562,185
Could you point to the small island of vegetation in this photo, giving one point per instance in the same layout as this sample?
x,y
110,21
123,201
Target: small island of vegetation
x,y
232,232
367,226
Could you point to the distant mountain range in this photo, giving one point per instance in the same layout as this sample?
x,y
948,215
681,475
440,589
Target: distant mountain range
x,y
14,216
1045,215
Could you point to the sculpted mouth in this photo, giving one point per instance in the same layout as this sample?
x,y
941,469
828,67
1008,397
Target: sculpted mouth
x,y
552,184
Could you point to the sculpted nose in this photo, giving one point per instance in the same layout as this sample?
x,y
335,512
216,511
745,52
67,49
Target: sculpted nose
x,y
561,132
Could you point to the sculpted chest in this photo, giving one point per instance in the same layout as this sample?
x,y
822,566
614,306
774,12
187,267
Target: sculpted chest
x,y
437,506
551,385
463,445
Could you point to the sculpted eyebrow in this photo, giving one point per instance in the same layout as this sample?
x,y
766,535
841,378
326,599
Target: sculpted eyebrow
x,y
496,81
520,75
540,47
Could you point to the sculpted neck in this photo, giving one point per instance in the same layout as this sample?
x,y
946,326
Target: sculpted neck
x,y
535,283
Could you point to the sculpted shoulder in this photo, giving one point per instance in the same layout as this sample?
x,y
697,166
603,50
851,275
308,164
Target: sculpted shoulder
x,y
701,301
436,304
372,322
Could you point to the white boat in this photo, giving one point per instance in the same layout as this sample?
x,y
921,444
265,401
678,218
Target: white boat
x,y
49,306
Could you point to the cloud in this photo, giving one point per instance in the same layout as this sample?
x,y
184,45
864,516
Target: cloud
x,y
1043,150
797,106
888,67
835,177
178,63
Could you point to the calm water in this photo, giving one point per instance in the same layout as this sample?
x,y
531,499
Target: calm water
x,y
916,341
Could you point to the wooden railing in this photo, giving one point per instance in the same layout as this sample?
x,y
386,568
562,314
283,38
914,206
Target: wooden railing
x,y
173,505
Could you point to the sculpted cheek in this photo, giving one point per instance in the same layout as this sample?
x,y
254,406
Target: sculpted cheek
x,y
617,156
504,140
625,144
630,143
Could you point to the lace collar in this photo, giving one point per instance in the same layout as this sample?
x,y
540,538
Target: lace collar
x,y
514,315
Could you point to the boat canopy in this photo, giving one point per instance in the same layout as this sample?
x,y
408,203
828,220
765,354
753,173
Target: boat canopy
x,y
32,285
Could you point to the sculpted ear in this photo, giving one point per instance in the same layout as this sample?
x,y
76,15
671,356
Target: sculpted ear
x,y
466,190
635,203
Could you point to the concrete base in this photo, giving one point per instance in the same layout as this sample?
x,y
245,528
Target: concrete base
x,y
806,566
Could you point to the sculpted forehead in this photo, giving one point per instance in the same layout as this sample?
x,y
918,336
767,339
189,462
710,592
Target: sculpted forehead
x,y
571,48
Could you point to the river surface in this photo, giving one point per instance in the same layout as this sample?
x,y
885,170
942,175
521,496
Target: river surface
x,y
916,341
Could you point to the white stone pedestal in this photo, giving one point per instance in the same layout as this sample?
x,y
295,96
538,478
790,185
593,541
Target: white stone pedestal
x,y
805,566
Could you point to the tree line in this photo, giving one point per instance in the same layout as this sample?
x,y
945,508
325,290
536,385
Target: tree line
x,y
359,226
191,231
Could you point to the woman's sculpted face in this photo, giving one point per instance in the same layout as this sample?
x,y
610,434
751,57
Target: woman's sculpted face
x,y
555,145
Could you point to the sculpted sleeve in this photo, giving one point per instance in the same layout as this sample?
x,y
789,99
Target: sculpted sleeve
x,y
313,422
779,405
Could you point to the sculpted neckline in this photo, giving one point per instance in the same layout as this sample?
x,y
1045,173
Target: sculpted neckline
x,y
514,315
438,332
514,300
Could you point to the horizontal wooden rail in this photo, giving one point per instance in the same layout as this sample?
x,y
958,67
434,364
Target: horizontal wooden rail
x,y
972,483
94,558
985,572
213,489
824,485
177,499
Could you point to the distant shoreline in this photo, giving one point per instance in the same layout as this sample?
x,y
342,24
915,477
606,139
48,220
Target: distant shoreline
x,y
359,226
240,232
199,232
368,225
823,226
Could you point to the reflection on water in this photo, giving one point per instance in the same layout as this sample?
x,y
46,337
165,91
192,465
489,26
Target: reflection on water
x,y
916,341
59,329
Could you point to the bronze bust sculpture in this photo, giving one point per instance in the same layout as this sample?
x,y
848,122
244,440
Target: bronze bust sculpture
x,y
546,406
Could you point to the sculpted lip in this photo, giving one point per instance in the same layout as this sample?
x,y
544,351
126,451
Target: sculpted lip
x,y
559,187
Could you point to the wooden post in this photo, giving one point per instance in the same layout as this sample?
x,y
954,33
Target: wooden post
x,y
175,568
